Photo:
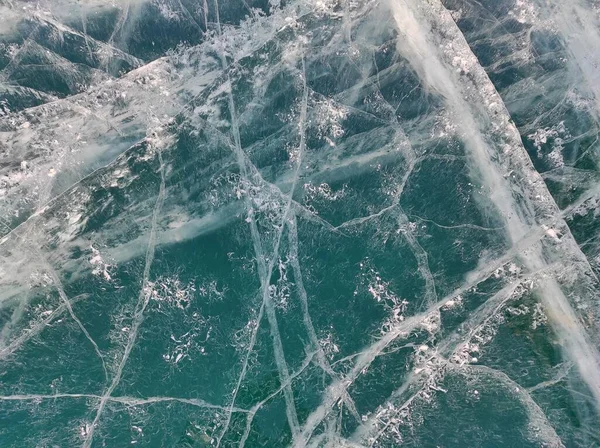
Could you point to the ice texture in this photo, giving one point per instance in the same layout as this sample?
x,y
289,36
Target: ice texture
x,y
325,224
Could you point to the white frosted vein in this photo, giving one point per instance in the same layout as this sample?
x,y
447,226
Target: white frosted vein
x,y
337,389
322,360
125,400
142,303
416,22
265,262
37,328
252,412
67,303
444,358
431,43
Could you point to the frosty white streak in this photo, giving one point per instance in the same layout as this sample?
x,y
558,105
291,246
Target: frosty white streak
x,y
142,303
255,237
282,367
446,350
5,351
338,389
67,303
265,262
366,356
36,328
484,121
252,412
581,32
127,401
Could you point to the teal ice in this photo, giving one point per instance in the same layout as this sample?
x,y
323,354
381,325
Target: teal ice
x,y
299,223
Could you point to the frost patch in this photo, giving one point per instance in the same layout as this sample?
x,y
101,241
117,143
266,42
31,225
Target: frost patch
x,y
100,266
524,12
170,291
329,118
379,290
330,348
280,291
549,143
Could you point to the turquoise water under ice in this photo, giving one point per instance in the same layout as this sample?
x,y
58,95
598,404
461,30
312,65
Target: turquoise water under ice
x,y
305,224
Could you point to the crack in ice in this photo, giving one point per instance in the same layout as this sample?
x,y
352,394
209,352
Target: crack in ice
x,y
142,303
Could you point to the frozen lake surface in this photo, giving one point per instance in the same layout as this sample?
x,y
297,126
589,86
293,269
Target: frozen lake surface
x,y
292,223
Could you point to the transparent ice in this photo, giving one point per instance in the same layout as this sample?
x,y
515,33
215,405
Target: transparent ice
x,y
324,223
